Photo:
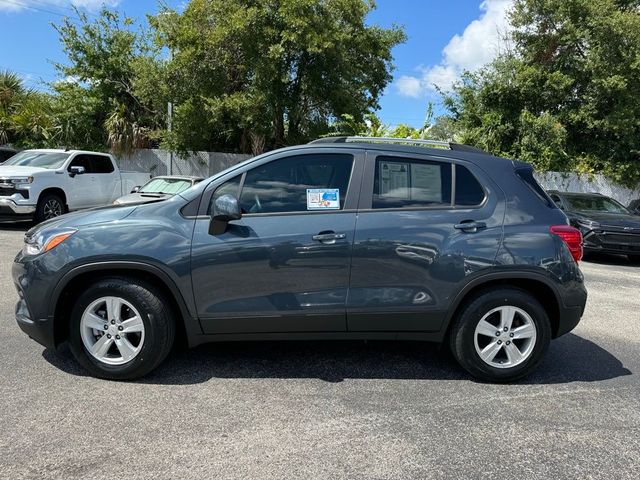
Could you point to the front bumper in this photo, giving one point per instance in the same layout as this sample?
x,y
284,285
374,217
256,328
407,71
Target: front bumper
x,y
39,327
9,206
609,241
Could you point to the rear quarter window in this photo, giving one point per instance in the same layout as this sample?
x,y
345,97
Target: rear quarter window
x,y
526,175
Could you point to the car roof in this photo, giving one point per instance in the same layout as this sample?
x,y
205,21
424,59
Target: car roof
x,y
62,150
180,177
475,156
577,194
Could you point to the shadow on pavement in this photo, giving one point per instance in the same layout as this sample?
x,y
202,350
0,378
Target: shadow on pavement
x,y
20,226
609,259
569,359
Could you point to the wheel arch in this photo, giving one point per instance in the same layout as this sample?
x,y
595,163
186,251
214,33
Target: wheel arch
x,y
77,279
537,285
54,191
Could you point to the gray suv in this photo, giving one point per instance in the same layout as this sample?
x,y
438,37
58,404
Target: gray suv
x,y
343,238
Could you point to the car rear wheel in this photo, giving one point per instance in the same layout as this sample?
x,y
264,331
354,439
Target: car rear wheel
x,y
501,335
121,328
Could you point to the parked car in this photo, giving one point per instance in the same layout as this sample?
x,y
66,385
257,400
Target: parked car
x,y
158,188
606,225
347,238
6,153
42,184
634,207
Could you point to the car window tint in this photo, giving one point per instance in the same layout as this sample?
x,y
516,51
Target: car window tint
x,y
82,161
526,175
101,164
408,183
297,184
469,192
231,187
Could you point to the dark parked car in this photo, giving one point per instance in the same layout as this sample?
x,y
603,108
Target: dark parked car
x,y
158,188
634,207
347,238
6,153
606,225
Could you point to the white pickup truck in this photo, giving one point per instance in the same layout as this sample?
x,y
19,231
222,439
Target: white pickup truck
x,y
42,184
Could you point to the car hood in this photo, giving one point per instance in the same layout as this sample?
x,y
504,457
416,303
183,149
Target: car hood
x,y
610,219
92,216
142,198
17,171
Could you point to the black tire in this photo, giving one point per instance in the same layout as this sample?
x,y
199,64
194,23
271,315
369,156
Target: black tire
x,y
45,205
462,334
635,259
159,327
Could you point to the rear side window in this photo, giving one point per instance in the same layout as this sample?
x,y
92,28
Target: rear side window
x,y
297,184
101,164
408,183
469,192
526,175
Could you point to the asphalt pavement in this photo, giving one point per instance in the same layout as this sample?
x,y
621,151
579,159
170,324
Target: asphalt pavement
x,y
376,410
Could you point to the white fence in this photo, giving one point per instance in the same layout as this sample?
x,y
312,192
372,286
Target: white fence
x,y
159,162
205,164
572,182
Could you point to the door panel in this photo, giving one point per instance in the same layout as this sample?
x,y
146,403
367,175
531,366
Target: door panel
x,y
268,274
284,266
408,263
82,188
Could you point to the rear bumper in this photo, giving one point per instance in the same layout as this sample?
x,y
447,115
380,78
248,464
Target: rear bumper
x,y
8,207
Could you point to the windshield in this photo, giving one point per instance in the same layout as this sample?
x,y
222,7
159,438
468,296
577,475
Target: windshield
x,y
170,186
595,203
51,160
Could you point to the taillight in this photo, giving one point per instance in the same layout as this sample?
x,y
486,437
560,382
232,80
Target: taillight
x,y
572,237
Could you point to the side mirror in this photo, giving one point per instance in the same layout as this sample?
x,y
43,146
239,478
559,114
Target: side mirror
x,y
135,189
73,171
225,209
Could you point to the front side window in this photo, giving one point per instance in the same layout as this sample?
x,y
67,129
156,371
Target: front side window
x,y
408,183
82,161
300,183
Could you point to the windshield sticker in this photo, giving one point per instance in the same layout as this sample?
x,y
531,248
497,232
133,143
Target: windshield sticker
x,y
323,198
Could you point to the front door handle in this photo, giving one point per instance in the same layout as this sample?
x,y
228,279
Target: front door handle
x,y
329,237
470,226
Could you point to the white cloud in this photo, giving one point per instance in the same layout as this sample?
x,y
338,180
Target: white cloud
x,y
33,5
409,86
476,46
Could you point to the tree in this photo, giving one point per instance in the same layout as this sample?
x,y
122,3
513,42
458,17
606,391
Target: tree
x,y
25,115
269,72
106,58
565,96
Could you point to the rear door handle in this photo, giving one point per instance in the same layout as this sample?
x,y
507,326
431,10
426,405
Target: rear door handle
x,y
329,237
470,226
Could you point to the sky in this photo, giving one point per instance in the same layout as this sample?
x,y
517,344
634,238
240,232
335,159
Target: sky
x,y
445,38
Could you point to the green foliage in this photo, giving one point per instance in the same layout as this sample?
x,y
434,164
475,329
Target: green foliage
x,y
110,72
269,72
25,115
566,96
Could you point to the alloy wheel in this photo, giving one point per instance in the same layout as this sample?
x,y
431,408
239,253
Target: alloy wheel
x,y
112,330
505,337
53,208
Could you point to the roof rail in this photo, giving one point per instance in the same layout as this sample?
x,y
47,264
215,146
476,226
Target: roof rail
x,y
401,141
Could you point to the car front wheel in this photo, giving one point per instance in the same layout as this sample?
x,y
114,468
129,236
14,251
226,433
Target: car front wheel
x,y
501,335
121,328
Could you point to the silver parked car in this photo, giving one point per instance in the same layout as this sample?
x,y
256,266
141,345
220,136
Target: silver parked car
x,y
158,188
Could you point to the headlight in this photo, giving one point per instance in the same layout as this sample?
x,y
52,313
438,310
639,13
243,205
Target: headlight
x,y
46,240
22,180
588,224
